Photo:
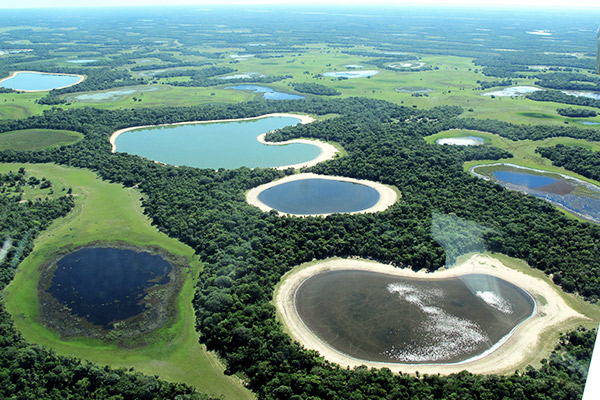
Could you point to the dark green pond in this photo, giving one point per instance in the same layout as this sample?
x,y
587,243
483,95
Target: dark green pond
x,y
386,318
106,285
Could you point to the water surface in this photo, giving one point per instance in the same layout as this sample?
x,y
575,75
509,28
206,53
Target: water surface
x,y
351,74
386,318
319,196
217,145
512,91
112,95
38,81
268,93
105,285
462,141
574,195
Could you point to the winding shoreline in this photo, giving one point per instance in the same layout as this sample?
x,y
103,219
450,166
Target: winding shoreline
x,y
551,310
81,78
387,195
328,151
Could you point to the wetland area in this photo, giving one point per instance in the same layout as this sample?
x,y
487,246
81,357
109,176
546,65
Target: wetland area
x,y
569,193
109,292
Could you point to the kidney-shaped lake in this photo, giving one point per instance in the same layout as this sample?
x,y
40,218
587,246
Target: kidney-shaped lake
x,y
385,318
231,144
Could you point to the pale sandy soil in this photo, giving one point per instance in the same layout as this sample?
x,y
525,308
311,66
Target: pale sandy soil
x,y
520,347
328,151
387,195
304,119
81,78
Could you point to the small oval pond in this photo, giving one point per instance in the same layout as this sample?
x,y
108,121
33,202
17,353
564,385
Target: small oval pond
x,y
351,74
37,81
461,141
106,285
386,318
569,193
216,145
319,196
267,92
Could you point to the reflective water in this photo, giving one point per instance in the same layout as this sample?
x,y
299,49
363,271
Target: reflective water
x,y
386,318
217,145
268,93
319,196
105,285
351,74
38,81
462,141
112,95
569,193
512,91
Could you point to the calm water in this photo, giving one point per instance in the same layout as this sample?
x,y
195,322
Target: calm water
x,y
81,61
217,145
589,123
35,81
385,318
113,95
319,196
105,285
462,141
513,91
572,195
268,93
351,74
589,95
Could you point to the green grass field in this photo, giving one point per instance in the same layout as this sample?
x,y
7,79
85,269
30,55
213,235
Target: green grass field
x,y
37,139
109,212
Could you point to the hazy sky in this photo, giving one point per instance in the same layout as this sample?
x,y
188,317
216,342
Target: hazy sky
x,y
107,3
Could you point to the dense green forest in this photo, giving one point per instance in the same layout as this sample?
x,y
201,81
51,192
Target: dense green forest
x,y
247,251
576,112
576,159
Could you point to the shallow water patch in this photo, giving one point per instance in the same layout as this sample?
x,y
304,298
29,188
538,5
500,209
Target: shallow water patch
x,y
385,318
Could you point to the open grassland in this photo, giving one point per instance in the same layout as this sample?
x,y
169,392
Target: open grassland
x,y
452,81
109,212
37,139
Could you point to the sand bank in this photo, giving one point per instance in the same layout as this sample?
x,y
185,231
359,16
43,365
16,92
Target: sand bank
x,y
328,151
81,78
304,119
523,346
387,195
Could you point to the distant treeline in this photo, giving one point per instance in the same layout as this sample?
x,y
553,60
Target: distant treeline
x,y
573,158
315,88
557,96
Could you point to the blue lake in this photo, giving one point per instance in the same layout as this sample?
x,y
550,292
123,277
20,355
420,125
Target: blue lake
x,y
573,195
589,123
38,81
268,93
319,196
521,178
105,285
217,145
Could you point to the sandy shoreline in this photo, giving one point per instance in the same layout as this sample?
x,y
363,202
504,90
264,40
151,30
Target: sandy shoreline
x,y
328,151
304,119
387,195
520,347
81,78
